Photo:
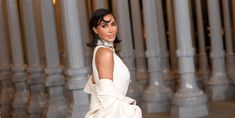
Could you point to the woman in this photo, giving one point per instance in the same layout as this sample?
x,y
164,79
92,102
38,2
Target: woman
x,y
109,82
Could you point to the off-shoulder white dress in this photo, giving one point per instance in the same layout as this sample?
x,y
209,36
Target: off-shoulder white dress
x,y
108,98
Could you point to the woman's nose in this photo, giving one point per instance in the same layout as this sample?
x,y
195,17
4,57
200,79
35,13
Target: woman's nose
x,y
110,29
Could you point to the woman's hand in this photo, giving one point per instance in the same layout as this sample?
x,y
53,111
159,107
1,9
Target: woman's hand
x,y
93,79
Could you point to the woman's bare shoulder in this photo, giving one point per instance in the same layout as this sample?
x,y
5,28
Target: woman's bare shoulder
x,y
104,54
105,63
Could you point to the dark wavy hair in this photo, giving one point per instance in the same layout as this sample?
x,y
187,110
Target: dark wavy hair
x,y
96,19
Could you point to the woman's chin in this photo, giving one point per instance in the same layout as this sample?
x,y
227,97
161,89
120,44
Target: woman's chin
x,y
110,39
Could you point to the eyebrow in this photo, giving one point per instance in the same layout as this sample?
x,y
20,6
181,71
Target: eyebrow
x,y
106,22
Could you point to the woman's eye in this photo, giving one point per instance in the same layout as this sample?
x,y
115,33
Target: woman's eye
x,y
114,23
105,25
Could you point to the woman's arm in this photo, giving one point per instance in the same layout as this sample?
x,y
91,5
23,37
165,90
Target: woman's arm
x,y
104,63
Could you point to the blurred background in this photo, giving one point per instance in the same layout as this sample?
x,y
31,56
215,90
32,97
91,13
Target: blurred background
x,y
180,54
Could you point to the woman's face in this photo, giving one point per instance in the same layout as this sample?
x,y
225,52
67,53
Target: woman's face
x,y
107,29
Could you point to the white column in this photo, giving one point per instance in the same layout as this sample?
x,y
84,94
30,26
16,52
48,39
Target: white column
x,y
230,59
157,96
55,81
83,18
7,91
189,101
172,37
203,69
233,14
76,70
97,4
35,77
39,32
60,32
141,63
20,103
218,83
126,45
192,23
168,77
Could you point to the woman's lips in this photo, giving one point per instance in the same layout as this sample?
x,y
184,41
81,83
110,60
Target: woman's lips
x,y
111,36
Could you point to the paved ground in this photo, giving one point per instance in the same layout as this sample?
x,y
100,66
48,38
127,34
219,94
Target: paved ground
x,y
219,109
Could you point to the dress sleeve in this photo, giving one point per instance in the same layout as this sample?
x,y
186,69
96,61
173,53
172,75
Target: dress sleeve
x,y
89,87
114,103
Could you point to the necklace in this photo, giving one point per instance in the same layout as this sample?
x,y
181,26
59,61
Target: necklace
x,y
105,43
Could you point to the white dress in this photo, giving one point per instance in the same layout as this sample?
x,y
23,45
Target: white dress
x,y
108,98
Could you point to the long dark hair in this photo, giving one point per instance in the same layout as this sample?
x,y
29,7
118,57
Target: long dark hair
x,y
96,19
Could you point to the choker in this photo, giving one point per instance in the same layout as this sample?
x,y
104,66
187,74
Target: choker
x,y
105,43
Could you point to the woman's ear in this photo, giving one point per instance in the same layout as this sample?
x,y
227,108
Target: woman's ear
x,y
95,30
